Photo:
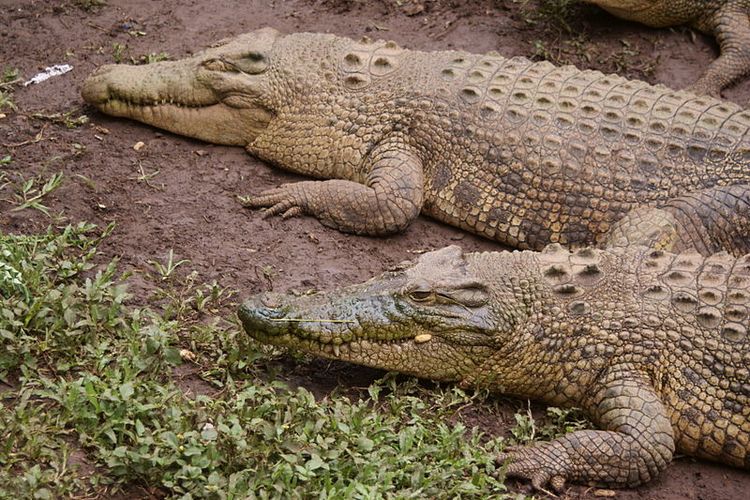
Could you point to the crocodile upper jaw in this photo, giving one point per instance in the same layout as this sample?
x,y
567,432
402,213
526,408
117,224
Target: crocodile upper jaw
x,y
181,97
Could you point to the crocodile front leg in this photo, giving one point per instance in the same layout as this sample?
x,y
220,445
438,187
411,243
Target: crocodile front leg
x,y
391,198
732,28
636,445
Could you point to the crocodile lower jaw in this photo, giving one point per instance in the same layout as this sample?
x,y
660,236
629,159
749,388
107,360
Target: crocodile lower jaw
x,y
120,107
336,349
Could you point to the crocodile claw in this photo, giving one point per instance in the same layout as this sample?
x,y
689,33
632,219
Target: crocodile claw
x,y
541,465
287,200
705,88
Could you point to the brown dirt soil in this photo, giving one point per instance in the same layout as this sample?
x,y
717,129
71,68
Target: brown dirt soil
x,y
190,204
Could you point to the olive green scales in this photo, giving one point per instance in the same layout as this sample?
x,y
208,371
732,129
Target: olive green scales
x,y
653,346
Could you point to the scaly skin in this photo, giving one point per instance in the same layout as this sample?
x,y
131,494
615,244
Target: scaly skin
x,y
520,152
727,20
653,346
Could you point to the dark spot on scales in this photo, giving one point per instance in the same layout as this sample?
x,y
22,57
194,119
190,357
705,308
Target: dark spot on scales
x,y
497,214
536,233
733,406
467,194
441,177
692,376
577,230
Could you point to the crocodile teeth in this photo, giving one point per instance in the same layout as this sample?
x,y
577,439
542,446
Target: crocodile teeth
x,y
422,338
336,350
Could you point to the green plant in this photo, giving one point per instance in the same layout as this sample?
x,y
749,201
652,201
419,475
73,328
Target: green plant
x,y
10,76
558,13
90,5
558,421
97,403
70,119
146,177
554,14
169,266
150,58
118,50
31,193
6,101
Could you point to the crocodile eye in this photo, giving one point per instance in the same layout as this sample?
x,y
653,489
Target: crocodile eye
x,y
252,63
254,56
420,295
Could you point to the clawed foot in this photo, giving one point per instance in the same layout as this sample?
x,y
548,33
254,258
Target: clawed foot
x,y
700,88
288,200
542,465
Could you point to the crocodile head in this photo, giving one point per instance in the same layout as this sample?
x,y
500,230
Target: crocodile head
x,y
436,317
220,95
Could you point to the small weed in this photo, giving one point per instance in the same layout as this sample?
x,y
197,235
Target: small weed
x,y
558,13
552,14
146,177
10,76
558,422
118,50
6,101
627,61
167,269
561,421
150,58
541,52
31,193
70,119
87,181
90,5
5,160
77,149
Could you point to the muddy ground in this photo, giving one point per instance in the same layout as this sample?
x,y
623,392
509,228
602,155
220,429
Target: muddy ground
x,y
180,194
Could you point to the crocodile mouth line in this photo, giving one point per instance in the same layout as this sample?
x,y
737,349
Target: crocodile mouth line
x,y
114,102
333,344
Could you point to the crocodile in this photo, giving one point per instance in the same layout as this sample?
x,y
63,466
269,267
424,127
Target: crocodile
x,y
727,20
522,152
652,346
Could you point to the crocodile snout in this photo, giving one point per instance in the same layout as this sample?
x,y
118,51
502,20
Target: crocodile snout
x,y
260,313
95,88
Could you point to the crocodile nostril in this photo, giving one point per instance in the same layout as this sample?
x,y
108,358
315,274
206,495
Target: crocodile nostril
x,y
101,70
256,317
